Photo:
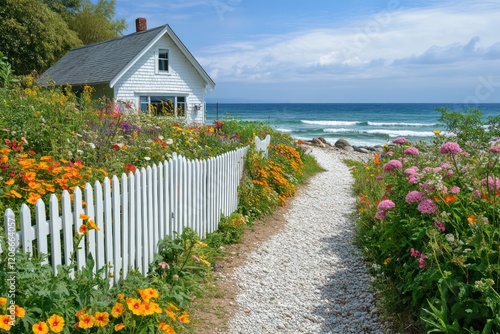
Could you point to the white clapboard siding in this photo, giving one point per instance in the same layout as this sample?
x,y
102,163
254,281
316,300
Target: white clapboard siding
x,y
133,213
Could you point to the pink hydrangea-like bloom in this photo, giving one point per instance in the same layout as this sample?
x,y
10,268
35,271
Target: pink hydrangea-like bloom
x,y
439,226
492,182
412,170
437,170
412,179
445,165
449,173
426,169
400,140
380,215
455,190
392,164
415,197
495,149
450,148
427,206
412,151
385,205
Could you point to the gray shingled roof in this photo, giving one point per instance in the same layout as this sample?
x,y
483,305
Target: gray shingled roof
x,y
99,62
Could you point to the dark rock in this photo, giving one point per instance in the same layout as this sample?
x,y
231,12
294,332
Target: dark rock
x,y
341,143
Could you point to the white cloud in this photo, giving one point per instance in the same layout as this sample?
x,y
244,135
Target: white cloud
x,y
383,45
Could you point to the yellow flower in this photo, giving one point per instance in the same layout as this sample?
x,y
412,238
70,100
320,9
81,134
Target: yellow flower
x,y
10,182
120,296
40,328
173,307
20,312
5,323
184,318
119,327
56,323
86,321
171,314
117,310
101,319
471,219
437,132
387,261
165,328
135,305
3,301
15,194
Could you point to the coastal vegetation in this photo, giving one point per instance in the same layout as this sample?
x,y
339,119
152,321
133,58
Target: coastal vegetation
x,y
429,226
53,140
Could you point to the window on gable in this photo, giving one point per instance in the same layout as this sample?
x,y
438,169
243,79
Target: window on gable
x,y
163,60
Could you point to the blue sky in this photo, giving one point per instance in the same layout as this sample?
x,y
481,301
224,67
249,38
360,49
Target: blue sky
x,y
337,51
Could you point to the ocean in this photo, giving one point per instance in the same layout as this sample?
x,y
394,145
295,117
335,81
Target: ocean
x,y
362,124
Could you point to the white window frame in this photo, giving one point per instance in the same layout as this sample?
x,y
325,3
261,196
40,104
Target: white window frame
x,y
174,95
157,61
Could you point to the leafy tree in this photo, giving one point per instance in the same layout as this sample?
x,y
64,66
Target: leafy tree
x,y
63,7
94,22
33,36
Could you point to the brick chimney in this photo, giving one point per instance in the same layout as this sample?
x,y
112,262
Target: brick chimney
x,y
141,24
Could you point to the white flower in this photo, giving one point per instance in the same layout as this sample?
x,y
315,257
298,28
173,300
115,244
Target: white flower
x,y
450,237
79,151
92,145
169,141
147,158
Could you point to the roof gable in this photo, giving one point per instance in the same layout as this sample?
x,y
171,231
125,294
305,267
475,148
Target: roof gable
x,y
108,61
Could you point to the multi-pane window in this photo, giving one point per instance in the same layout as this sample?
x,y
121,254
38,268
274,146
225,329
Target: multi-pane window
x,y
163,60
173,106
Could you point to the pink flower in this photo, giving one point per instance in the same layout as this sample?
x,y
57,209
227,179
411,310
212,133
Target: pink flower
x,y
495,149
455,190
414,253
411,170
421,261
427,206
412,180
415,197
439,226
400,140
445,165
412,151
385,205
477,193
492,182
449,173
450,148
392,164
380,177
390,153
380,215
164,265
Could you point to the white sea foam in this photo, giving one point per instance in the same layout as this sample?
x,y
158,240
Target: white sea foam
x,y
331,123
401,124
284,130
390,133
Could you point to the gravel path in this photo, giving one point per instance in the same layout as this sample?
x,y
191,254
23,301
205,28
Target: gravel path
x,y
309,278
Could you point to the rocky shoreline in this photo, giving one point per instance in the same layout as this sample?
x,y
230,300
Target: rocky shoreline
x,y
343,148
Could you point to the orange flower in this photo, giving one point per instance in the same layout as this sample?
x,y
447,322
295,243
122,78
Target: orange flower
x,y
148,308
84,216
14,193
83,229
33,198
471,219
5,323
117,310
101,319
120,296
10,182
93,225
119,327
40,328
147,294
173,307
3,301
184,318
82,311
56,323
29,176
86,321
450,199
165,328
19,311
376,160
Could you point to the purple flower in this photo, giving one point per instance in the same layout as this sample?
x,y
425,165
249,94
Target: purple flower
x,y
385,205
450,148
392,164
412,151
439,226
427,206
380,215
495,149
400,140
455,190
415,197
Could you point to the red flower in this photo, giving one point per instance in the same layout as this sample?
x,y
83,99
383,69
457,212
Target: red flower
x,y
115,147
130,167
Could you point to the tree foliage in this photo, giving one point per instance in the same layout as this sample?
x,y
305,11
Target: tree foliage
x,y
34,34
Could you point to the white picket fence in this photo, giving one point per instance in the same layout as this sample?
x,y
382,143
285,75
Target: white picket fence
x,y
262,145
133,213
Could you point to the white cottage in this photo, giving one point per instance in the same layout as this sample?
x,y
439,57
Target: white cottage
x,y
152,69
